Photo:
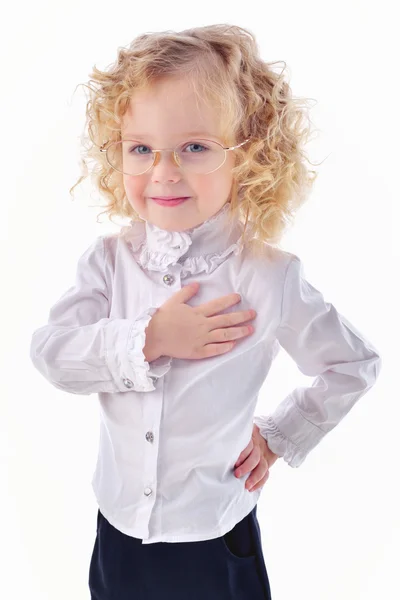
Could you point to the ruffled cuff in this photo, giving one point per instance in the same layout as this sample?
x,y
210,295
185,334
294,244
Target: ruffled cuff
x,y
144,374
278,443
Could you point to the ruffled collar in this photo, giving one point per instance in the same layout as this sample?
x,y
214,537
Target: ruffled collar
x,y
200,249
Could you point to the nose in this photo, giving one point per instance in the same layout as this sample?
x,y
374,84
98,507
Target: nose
x,y
165,168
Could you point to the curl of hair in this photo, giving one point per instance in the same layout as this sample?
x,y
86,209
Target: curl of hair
x,y
270,178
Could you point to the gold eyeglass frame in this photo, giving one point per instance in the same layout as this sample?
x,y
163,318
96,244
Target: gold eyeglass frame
x,y
156,154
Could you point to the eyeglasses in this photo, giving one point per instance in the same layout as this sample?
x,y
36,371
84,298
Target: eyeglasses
x,y
128,157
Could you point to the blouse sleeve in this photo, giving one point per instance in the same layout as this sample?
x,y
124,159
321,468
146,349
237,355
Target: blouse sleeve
x,y
82,350
325,345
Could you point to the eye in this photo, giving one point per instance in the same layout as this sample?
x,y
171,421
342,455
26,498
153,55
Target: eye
x,y
197,145
131,150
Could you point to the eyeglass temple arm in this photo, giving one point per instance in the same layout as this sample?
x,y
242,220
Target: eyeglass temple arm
x,y
238,145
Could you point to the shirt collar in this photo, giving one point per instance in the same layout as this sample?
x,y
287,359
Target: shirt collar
x,y
201,248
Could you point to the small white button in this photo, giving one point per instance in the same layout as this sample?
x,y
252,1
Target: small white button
x,y
150,436
128,383
147,491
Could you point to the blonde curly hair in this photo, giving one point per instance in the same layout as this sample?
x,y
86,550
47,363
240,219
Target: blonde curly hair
x,y
222,62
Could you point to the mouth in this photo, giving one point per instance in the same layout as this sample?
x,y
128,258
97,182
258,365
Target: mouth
x,y
170,200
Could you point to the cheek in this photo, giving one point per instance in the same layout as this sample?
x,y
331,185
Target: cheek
x,y
135,191
219,182
134,186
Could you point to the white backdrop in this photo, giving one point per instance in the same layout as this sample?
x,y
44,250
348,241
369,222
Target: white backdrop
x,y
330,528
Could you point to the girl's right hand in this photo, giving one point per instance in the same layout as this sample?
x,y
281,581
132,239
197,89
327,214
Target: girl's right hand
x,y
182,331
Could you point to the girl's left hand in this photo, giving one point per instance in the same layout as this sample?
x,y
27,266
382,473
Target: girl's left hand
x,y
257,458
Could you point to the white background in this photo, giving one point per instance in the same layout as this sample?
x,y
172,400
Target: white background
x,y
330,528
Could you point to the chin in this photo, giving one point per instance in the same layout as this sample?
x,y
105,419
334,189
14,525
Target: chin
x,y
173,220
175,224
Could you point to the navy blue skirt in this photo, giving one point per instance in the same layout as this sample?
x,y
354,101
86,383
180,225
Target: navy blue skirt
x,y
230,567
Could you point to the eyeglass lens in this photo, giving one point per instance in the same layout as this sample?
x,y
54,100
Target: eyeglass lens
x,y
196,156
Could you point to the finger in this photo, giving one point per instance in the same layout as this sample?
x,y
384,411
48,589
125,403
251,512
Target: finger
x,y
255,485
234,318
229,333
210,350
249,463
255,476
184,294
215,306
245,453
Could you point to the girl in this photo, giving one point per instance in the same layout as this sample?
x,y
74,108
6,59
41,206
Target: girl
x,y
174,321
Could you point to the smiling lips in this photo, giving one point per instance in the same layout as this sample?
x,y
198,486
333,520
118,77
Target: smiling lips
x,y
170,200
170,197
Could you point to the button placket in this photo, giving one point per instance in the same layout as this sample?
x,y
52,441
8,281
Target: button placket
x,y
150,438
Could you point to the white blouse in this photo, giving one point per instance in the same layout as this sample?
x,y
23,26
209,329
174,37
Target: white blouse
x,y
172,430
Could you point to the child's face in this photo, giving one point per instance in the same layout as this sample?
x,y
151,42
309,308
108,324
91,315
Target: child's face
x,y
162,117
